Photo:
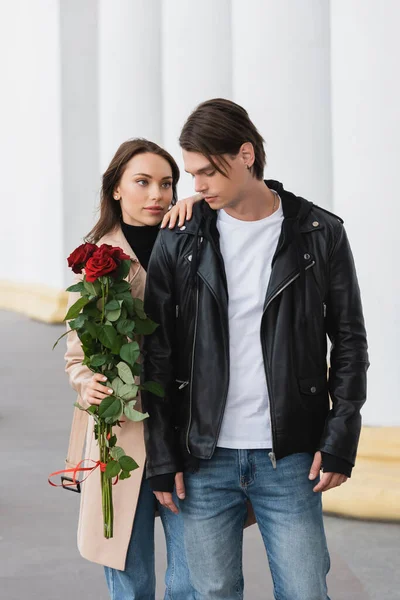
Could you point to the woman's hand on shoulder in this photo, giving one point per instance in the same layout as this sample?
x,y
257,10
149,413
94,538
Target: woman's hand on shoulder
x,y
95,391
181,212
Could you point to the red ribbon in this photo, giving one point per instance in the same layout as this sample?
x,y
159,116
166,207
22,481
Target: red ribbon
x,y
78,469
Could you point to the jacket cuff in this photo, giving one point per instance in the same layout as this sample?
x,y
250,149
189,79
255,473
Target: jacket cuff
x,y
334,464
162,483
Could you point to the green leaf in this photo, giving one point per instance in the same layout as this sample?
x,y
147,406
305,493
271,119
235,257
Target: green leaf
x,y
145,327
92,328
77,405
124,475
92,310
123,269
112,305
153,388
132,414
92,409
127,463
76,308
107,336
61,336
78,322
112,469
119,342
98,360
125,326
110,407
125,373
137,369
121,286
129,305
113,315
77,287
117,452
138,304
94,289
128,391
117,384
112,441
130,353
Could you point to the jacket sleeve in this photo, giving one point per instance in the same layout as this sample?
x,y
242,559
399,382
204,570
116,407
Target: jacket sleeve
x,y
348,357
159,304
79,375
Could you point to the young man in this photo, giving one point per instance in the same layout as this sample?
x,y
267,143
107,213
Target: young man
x,y
251,287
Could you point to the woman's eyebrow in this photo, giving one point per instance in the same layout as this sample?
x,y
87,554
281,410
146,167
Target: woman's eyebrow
x,y
150,177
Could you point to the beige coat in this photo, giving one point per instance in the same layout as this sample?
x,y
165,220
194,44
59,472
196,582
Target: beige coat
x,y
91,542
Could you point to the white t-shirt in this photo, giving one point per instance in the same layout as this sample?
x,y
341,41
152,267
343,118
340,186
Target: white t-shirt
x,y
247,248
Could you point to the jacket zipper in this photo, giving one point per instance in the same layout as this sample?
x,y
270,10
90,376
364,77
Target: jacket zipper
x,y
192,369
271,454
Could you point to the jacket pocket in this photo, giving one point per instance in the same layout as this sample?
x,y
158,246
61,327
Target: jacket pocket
x,y
314,392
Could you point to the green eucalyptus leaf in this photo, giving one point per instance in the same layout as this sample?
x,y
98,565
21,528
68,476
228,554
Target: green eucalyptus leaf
x,y
112,469
130,353
107,336
127,463
117,452
132,414
125,373
75,309
153,388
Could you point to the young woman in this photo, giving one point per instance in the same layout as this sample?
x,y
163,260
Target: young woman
x,y
137,189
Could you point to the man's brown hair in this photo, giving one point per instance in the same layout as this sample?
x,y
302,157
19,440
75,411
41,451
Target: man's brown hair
x,y
219,126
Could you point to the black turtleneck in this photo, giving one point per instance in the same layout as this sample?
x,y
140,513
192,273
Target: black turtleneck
x,y
141,240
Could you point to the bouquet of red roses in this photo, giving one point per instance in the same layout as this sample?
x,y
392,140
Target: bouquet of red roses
x,y
109,323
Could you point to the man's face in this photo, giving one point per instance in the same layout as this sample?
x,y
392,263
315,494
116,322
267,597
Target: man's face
x,y
217,190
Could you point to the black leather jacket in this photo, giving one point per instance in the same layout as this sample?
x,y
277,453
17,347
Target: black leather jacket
x,y
312,293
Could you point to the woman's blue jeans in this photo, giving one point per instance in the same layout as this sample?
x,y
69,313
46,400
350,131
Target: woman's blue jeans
x,y
138,581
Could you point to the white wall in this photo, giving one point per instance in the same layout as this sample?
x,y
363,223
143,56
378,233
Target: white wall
x,y
366,156
281,75
30,143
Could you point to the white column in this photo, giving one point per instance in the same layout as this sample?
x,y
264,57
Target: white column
x,y
196,63
129,73
80,140
31,241
366,151
281,75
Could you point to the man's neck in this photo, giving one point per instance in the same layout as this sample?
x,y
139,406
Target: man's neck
x,y
256,202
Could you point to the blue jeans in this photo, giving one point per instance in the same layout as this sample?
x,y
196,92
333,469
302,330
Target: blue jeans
x,y
288,512
138,581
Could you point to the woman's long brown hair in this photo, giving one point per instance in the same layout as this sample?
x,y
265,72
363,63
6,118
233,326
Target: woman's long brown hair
x,y
110,210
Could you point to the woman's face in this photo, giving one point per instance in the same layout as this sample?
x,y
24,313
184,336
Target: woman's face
x,y
145,189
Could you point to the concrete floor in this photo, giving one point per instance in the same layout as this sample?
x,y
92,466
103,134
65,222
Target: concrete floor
x,y
38,555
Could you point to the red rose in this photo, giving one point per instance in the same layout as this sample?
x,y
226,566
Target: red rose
x,y
104,261
77,259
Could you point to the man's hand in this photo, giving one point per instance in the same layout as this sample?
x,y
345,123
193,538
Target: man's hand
x,y
328,480
165,498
